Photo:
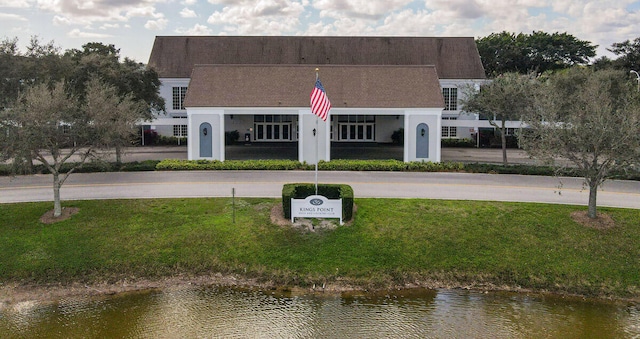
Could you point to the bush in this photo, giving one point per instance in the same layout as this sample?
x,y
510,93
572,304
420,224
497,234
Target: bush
x,y
202,165
135,166
331,191
448,142
231,137
150,137
362,165
170,141
421,166
496,142
103,166
516,169
397,137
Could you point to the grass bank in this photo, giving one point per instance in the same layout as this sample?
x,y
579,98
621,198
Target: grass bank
x,y
391,242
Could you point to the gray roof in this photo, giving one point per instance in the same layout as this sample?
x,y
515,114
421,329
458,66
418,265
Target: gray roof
x,y
454,57
291,85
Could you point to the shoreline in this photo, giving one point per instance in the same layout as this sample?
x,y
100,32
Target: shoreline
x,y
12,294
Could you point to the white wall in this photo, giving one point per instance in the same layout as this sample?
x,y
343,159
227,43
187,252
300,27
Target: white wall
x,y
464,87
413,118
308,143
198,116
386,120
166,91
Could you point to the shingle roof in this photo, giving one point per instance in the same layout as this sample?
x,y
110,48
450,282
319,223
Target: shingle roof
x,y
454,57
291,85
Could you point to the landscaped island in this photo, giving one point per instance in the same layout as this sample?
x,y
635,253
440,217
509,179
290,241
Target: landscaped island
x,y
390,243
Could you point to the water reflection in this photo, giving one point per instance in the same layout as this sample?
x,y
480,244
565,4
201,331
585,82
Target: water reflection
x,y
225,312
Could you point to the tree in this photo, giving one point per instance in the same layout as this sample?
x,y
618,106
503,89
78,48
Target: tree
x,y
10,64
590,118
42,63
52,126
128,77
123,112
501,100
628,53
537,52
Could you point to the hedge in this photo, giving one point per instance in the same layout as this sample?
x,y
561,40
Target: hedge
x,y
450,142
87,167
330,191
204,165
333,165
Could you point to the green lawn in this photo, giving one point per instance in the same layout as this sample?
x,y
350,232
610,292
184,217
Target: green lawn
x,y
391,241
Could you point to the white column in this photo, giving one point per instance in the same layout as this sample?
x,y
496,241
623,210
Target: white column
x,y
307,141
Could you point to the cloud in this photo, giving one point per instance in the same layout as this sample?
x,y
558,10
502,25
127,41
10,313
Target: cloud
x,y
109,26
12,17
358,9
156,25
457,9
195,30
16,3
409,23
86,12
270,17
76,33
188,13
61,21
189,2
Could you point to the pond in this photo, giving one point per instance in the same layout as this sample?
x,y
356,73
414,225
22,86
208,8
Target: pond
x,y
222,312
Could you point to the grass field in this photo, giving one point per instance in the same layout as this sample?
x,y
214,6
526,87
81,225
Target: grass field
x,y
391,242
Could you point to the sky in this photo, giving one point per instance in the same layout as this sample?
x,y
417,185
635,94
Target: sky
x,y
131,25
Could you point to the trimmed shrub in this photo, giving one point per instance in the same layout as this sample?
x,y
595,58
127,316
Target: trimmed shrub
x,y
450,142
331,191
203,165
421,166
135,166
511,169
362,165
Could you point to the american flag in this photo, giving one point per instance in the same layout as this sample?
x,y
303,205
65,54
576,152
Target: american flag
x,y
320,104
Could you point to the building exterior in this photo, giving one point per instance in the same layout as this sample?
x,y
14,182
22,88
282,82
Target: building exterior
x,y
260,86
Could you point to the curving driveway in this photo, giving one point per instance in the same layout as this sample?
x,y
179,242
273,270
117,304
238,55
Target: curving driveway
x,y
461,186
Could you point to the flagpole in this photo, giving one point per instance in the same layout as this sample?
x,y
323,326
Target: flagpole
x,y
315,134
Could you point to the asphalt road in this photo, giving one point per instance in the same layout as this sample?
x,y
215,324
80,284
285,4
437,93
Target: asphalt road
x,y
457,186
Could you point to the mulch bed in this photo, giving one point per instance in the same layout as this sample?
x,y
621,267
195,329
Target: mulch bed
x,y
67,212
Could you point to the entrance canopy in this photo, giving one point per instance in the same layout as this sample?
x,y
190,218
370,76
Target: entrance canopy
x,y
290,86
216,91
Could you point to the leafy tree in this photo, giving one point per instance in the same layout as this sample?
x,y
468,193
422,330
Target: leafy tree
x,y
503,52
10,64
128,77
590,118
42,63
504,99
123,112
537,52
628,53
52,126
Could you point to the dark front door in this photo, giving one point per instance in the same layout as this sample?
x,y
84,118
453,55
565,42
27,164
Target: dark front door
x,y
206,147
422,141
